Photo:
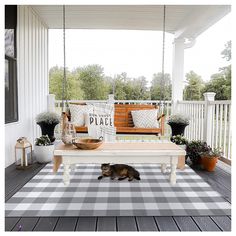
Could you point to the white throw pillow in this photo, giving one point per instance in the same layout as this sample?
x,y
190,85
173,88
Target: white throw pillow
x,y
98,119
78,113
100,122
100,114
145,118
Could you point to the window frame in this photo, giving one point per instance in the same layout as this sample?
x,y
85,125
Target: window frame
x,y
11,92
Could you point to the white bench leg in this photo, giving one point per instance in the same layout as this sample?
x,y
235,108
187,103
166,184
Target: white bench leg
x,y
66,174
173,173
163,168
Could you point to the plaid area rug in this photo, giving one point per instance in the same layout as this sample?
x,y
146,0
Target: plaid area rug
x,y
46,195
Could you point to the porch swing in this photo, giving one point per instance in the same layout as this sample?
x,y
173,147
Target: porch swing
x,y
122,111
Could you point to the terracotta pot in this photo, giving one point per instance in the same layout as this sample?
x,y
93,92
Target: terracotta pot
x,y
209,164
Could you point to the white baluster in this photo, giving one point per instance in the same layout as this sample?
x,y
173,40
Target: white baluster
x,y
229,135
221,116
225,127
217,126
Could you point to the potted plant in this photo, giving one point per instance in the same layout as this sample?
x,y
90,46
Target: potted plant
x,y
194,150
210,158
47,122
43,149
179,140
178,122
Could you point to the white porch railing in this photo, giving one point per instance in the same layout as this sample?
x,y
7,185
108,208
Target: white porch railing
x,y
195,110
209,120
221,127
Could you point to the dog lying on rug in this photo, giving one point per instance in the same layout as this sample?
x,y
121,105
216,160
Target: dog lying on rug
x,y
121,171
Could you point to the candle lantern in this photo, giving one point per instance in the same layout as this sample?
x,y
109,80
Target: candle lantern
x,y
23,153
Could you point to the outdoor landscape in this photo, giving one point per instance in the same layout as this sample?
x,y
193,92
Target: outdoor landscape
x,y
90,82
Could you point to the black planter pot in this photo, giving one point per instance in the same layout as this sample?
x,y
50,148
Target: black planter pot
x,y
48,129
177,128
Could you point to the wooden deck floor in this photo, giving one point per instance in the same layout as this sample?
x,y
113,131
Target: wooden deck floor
x,y
219,180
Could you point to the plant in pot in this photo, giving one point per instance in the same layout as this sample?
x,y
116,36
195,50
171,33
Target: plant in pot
x,y
210,158
178,123
47,122
194,150
179,140
43,149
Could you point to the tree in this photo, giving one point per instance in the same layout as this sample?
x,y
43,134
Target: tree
x,y
160,88
136,89
93,82
118,86
193,91
73,88
126,88
220,83
140,90
226,53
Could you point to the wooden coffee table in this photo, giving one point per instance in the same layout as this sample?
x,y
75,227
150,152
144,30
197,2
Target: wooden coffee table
x,y
119,153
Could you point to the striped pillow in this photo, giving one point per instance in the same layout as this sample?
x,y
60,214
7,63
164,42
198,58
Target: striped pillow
x,y
145,118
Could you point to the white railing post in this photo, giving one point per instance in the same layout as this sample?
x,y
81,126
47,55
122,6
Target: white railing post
x,y
111,98
208,118
51,102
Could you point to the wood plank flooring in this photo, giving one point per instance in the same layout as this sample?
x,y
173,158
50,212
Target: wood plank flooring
x,y
219,180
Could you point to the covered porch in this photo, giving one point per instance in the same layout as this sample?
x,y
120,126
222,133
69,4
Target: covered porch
x,y
186,22
210,119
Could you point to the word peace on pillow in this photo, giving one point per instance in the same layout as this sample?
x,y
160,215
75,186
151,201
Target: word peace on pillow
x,y
100,119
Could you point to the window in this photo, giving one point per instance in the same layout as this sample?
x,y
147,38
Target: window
x,y
11,98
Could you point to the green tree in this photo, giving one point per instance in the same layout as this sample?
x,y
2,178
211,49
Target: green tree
x,y
193,91
93,82
226,53
160,88
72,90
140,89
220,83
136,89
119,86
126,88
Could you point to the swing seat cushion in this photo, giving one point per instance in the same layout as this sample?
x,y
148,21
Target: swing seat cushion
x,y
124,122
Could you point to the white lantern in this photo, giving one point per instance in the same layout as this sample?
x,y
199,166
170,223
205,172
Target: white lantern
x,y
22,148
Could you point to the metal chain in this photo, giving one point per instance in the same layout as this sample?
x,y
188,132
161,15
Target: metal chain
x,y
64,81
163,89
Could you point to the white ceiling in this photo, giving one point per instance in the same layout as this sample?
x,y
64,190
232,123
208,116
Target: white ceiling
x,y
182,20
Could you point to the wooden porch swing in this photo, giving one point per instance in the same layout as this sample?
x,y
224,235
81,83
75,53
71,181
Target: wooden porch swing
x,y
122,112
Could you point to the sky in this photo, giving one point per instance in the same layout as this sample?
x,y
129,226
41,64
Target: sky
x,y
138,53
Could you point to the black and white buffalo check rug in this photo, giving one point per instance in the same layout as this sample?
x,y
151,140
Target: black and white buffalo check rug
x,y
46,195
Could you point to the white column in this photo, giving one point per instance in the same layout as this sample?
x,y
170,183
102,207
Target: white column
x,y
177,72
51,102
208,118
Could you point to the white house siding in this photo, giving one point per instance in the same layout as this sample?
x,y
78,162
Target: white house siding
x,y
32,55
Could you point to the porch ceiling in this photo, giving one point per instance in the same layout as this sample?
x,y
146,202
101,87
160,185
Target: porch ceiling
x,y
182,20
